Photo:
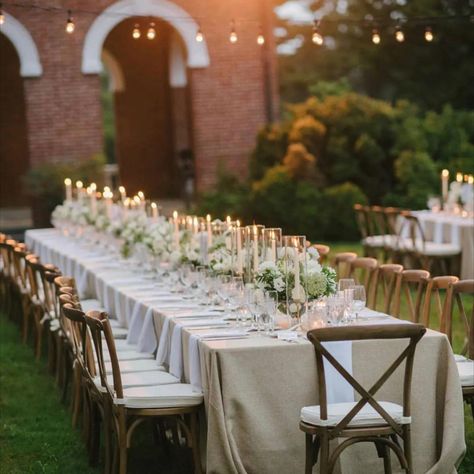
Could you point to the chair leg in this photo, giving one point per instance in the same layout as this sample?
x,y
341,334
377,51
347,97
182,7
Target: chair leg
x,y
39,340
26,322
51,352
407,448
77,396
324,459
308,467
94,435
195,443
122,445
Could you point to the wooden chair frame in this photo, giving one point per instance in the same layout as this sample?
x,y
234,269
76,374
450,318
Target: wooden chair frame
x,y
364,271
407,278
433,291
341,262
323,251
386,281
123,420
383,435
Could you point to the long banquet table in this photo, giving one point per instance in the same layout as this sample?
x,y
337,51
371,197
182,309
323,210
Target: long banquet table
x,y
254,387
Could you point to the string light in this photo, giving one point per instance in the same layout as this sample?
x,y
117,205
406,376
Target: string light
x,y
375,36
316,37
429,34
261,37
399,35
151,33
233,34
199,35
70,26
136,33
2,16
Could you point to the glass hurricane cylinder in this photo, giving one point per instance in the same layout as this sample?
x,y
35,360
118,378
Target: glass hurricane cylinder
x,y
271,244
253,250
295,269
238,249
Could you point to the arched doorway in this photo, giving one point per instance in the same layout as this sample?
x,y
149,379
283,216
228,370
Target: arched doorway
x,y
14,157
150,109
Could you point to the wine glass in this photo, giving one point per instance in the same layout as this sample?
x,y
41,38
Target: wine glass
x,y
270,309
335,309
359,299
345,284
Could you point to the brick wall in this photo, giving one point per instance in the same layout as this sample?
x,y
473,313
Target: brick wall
x,y
227,100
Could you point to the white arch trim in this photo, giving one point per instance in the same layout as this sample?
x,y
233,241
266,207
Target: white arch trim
x,y
197,52
30,65
117,79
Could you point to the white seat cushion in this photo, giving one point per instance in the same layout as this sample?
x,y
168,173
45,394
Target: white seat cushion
x,y
466,372
367,416
139,365
431,249
123,345
128,355
142,379
380,240
163,396
119,333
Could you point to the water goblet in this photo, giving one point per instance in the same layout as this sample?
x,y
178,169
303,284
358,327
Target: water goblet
x,y
359,300
345,284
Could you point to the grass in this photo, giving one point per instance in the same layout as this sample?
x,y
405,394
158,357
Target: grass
x,y
36,435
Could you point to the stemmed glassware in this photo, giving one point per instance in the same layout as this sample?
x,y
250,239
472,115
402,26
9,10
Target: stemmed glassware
x,y
359,300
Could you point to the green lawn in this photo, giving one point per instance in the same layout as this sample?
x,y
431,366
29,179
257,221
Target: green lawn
x,y
36,435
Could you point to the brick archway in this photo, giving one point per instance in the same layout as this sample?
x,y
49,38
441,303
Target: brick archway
x,y
177,17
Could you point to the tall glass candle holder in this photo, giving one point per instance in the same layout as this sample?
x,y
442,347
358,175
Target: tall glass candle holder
x,y
253,250
295,270
238,249
271,244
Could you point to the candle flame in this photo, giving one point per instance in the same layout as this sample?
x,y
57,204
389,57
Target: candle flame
x,y
238,223
93,187
175,215
79,184
153,205
121,190
208,218
68,182
445,172
141,195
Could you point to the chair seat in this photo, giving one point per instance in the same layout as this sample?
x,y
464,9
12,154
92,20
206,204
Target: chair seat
x,y
431,249
139,365
123,345
385,240
129,355
142,379
466,372
367,416
163,396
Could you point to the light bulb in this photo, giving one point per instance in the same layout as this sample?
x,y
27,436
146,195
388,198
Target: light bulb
x,y
2,16
199,36
70,26
233,34
151,33
136,33
429,34
316,37
261,39
375,37
399,35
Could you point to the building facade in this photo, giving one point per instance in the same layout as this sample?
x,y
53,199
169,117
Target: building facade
x,y
175,95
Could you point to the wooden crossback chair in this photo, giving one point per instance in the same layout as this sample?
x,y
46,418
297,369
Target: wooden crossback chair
x,y
428,255
126,409
362,220
411,287
323,251
341,263
364,271
382,423
86,394
385,286
461,294
54,324
437,292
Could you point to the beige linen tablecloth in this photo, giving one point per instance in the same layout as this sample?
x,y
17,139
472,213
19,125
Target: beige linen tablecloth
x,y
254,388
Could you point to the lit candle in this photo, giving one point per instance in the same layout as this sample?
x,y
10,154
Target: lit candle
x,y
68,186
255,248
444,185
176,229
123,194
273,240
296,262
195,225
79,187
154,211
93,198
228,221
239,249
209,231
108,202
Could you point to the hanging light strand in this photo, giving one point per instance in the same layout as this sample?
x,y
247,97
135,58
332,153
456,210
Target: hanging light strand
x,y
429,37
399,34
136,33
376,36
199,35
261,37
2,16
151,32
